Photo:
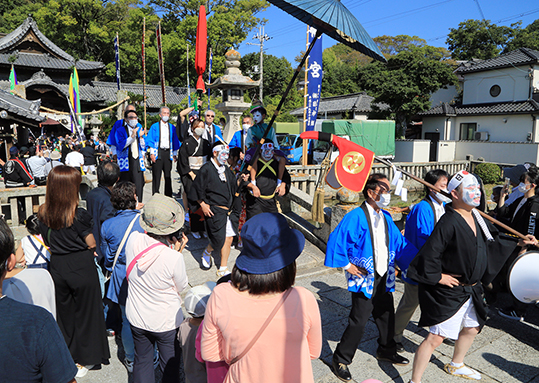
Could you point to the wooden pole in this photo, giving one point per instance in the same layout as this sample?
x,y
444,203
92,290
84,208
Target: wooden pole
x,y
305,95
161,64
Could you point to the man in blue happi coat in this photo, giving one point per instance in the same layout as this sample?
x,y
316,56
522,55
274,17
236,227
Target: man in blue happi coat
x,y
164,144
111,139
368,244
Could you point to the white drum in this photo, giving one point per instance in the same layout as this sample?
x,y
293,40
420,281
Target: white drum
x,y
523,277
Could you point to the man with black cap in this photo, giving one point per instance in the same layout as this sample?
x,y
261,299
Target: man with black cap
x,y
16,174
214,190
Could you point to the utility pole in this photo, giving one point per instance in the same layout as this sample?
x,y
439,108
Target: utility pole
x,y
261,37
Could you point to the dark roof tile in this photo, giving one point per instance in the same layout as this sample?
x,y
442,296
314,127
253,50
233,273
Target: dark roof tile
x,y
521,56
519,107
344,103
19,106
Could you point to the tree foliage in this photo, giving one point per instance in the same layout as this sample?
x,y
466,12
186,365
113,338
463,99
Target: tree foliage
x,y
407,81
276,72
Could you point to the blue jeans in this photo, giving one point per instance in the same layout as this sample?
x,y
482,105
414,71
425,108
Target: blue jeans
x,y
127,337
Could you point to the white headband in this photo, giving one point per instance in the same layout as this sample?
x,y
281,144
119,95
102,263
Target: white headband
x,y
458,179
220,148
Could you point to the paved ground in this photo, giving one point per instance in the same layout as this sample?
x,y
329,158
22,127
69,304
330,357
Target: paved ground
x,y
506,351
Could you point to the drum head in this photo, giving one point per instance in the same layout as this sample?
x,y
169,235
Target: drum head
x,y
524,278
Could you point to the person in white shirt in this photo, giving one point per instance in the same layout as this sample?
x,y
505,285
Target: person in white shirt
x,y
75,159
36,164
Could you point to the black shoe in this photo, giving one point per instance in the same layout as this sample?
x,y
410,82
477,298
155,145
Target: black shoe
x,y
449,342
392,358
400,347
341,371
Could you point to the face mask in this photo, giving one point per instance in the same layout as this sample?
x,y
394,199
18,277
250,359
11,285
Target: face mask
x,y
222,157
267,151
471,193
442,197
133,123
522,187
492,197
257,116
246,126
199,131
384,201
164,118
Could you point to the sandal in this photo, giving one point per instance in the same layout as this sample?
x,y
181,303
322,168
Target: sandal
x,y
452,370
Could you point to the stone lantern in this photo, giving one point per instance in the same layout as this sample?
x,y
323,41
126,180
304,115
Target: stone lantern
x,y
95,124
232,85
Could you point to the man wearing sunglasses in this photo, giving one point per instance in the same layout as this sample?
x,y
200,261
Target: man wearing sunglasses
x,y
212,130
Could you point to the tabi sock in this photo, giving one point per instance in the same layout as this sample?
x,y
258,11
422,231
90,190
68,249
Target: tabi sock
x,y
206,256
222,268
466,371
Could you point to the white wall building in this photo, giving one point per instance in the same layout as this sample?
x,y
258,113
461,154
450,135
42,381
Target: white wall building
x,y
498,118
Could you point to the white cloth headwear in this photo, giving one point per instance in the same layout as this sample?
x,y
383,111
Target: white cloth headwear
x,y
458,179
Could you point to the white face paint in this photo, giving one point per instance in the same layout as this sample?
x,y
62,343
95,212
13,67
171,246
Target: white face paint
x,y
222,157
257,116
471,192
267,151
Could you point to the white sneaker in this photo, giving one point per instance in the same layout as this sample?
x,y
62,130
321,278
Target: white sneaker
x,y
195,235
82,371
206,261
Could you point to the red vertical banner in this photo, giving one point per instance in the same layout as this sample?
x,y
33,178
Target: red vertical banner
x,y
161,65
201,48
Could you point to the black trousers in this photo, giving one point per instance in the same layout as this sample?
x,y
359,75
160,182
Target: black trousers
x,y
135,175
382,310
163,164
169,355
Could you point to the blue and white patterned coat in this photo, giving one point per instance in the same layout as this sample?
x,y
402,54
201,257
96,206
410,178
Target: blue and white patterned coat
x,y
120,138
351,242
153,137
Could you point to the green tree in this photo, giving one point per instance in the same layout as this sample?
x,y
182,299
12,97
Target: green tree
x,y
478,39
276,72
525,38
392,45
406,82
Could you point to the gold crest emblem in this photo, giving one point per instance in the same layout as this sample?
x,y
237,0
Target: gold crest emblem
x,y
353,162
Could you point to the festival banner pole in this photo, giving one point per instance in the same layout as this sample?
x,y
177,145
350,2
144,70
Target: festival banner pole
x,y
305,95
188,86
144,71
117,59
209,78
161,66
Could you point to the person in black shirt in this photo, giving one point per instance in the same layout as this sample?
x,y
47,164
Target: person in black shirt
x,y
16,174
89,157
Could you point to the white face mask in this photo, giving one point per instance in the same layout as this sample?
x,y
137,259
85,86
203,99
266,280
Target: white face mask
x,y
523,188
164,118
133,123
442,197
246,126
199,131
257,116
471,193
384,201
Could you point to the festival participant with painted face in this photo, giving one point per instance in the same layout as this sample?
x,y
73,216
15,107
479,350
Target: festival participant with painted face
x,y
194,153
256,131
523,215
164,144
462,251
214,190
368,244
265,185
419,225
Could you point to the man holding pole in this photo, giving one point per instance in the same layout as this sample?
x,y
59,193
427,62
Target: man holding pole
x,y
164,144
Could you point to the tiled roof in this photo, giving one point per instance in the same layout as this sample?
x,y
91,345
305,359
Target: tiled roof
x,y
344,103
63,60
175,95
519,57
519,107
19,106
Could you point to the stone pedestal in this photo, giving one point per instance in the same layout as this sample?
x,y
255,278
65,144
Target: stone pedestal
x,y
233,118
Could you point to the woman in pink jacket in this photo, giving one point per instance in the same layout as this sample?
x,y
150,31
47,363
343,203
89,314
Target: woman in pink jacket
x,y
156,276
265,329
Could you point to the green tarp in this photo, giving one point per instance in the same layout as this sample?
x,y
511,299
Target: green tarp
x,y
375,135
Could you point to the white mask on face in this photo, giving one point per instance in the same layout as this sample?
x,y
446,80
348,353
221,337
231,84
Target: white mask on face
x,y
257,116
222,157
199,131
246,126
267,151
384,201
133,123
522,187
164,118
471,193
442,197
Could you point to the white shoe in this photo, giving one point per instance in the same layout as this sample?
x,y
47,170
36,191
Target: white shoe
x,y
82,371
195,235
206,261
222,273
462,371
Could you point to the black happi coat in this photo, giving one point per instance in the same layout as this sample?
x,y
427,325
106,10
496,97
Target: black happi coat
x,y
452,248
209,188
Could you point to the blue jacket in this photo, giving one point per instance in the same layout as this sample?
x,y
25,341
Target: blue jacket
x,y
152,140
218,133
112,233
111,140
120,139
351,242
235,142
99,206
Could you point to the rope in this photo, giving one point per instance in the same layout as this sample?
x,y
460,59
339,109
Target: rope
x,y
85,113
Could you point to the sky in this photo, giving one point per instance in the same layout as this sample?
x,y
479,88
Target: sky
x,y
428,19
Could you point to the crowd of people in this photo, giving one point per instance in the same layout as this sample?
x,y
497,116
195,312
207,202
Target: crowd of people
x,y
117,265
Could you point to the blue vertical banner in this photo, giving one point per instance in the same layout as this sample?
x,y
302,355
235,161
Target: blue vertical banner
x,y
117,58
314,80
